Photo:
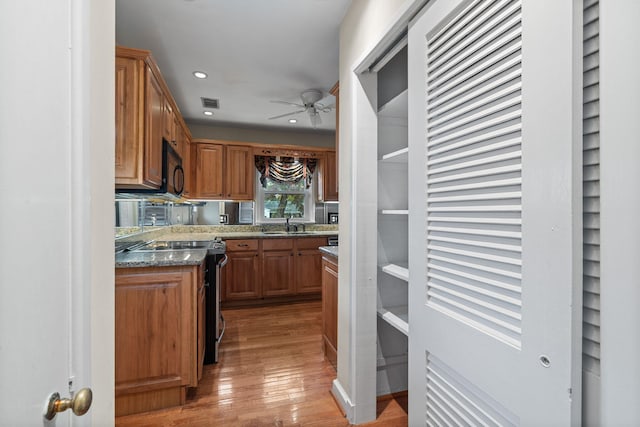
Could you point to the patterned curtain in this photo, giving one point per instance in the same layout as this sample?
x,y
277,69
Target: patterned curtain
x,y
286,169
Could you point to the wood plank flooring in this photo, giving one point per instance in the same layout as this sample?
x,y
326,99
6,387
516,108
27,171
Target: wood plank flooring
x,y
272,373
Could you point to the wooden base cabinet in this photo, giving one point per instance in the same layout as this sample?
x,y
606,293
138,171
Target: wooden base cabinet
x,y
330,309
242,273
277,267
308,269
259,269
159,336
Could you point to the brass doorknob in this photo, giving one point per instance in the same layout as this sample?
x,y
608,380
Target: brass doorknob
x,y
79,403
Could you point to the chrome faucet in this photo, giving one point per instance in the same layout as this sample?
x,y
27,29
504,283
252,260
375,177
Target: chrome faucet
x,y
289,227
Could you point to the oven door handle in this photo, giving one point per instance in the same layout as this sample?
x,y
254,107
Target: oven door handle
x,y
223,261
224,326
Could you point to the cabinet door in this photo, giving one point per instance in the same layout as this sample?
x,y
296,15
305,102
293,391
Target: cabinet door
x,y
179,137
240,172
168,123
201,332
154,330
277,273
209,171
188,166
330,310
153,131
129,130
329,171
308,270
242,278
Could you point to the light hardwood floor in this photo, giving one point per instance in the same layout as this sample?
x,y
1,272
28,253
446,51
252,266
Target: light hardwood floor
x,y
272,373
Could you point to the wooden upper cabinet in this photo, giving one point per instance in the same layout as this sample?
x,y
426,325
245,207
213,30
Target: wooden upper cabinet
x,y
179,138
223,171
153,125
209,161
189,166
328,177
169,126
130,126
145,114
240,172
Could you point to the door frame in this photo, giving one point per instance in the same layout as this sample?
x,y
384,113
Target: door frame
x,y
355,385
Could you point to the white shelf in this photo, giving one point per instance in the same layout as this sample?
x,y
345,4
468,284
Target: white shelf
x,y
396,107
398,156
399,270
394,211
398,317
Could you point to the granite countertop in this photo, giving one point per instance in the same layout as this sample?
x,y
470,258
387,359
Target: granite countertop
x,y
196,256
160,258
240,235
329,250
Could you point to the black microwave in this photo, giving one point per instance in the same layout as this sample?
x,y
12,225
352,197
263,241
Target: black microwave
x,y
172,172
172,176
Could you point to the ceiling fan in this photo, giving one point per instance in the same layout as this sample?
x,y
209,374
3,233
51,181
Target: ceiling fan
x,y
313,103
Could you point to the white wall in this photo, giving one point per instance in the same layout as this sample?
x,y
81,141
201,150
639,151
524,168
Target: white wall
x,y
365,23
263,136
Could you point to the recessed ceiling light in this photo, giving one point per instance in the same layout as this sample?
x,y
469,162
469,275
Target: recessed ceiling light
x,y
208,113
200,74
293,121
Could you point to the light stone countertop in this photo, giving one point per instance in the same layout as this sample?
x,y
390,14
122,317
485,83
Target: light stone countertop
x,y
329,250
196,256
160,258
240,235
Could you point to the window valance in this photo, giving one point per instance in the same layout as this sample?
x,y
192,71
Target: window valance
x,y
285,169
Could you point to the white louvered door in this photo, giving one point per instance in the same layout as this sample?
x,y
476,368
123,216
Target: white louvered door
x,y
494,214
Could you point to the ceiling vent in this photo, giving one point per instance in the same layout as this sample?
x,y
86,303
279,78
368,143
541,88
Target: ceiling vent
x,y
210,102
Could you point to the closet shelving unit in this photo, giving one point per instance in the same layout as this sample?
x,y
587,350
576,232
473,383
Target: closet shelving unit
x,y
392,227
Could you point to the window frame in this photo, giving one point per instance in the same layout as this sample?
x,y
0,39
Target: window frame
x,y
309,204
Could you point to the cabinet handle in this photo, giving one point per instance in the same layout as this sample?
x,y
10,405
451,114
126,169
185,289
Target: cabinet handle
x,y
243,245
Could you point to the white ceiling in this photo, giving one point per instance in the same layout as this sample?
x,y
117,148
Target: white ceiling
x,y
254,51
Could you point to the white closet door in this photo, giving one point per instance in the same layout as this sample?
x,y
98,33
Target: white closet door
x,y
494,214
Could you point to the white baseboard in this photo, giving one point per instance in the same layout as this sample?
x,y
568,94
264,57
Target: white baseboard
x,y
343,399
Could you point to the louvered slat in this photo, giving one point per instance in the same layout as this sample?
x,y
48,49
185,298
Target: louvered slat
x,y
454,401
474,164
591,190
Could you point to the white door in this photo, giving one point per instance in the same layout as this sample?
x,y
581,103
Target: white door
x,y
494,214
51,202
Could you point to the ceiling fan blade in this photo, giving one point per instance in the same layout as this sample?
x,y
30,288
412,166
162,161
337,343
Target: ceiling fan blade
x,y
327,102
315,119
287,114
288,103
324,109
